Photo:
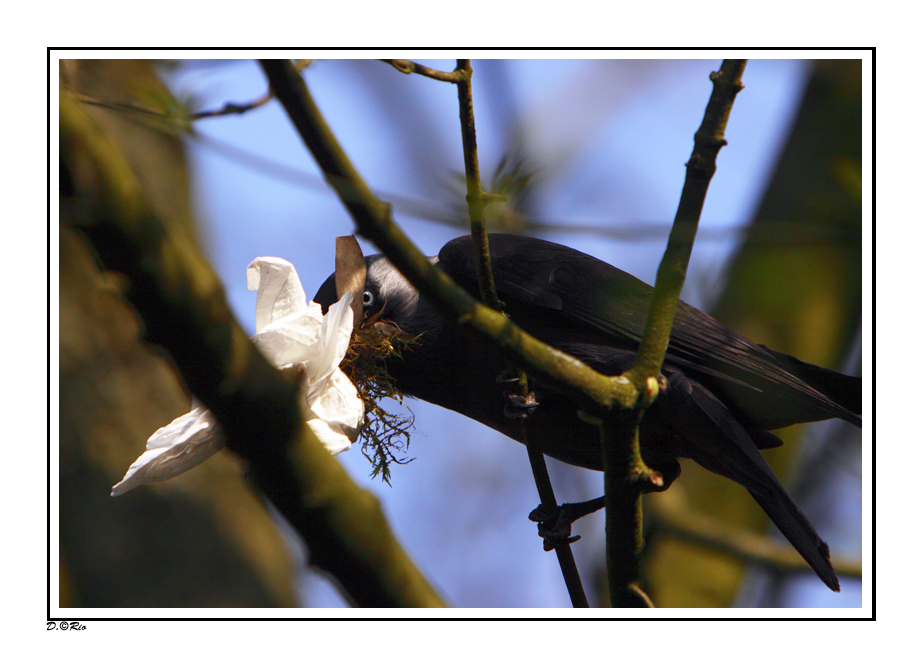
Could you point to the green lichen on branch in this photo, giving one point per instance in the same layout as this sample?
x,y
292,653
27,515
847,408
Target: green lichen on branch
x,y
385,436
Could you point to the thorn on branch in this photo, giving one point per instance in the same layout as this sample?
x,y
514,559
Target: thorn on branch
x,y
638,598
722,78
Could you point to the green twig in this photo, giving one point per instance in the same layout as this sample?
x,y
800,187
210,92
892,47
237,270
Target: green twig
x,y
475,196
709,139
626,475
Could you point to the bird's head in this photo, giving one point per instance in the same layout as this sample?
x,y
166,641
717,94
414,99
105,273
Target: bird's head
x,y
388,296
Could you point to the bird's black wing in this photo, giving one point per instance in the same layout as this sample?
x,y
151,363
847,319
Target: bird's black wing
x,y
767,387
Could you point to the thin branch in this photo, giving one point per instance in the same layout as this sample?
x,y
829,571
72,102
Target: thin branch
x,y
235,108
547,499
626,474
709,139
231,108
111,104
410,67
182,305
477,199
228,109
475,196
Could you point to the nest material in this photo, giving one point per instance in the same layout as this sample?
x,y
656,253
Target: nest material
x,y
385,436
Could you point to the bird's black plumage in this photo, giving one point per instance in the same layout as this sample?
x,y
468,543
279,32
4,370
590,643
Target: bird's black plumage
x,y
723,392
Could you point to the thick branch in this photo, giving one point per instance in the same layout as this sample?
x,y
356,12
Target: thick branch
x,y
623,469
182,305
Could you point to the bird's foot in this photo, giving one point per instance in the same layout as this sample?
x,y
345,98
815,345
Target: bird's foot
x,y
518,406
554,523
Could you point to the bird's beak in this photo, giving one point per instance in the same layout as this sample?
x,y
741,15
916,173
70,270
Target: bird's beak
x,y
350,273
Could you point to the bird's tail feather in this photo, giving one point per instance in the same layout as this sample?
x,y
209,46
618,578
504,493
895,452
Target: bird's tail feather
x,y
725,448
798,530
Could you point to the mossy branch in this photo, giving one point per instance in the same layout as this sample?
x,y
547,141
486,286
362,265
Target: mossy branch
x,y
182,305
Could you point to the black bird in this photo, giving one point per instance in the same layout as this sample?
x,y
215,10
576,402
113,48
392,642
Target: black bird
x,y
723,392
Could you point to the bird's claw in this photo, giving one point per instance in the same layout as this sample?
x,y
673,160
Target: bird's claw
x,y
519,407
549,543
554,523
554,527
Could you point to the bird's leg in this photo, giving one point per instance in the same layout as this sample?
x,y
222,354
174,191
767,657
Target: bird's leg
x,y
554,524
517,406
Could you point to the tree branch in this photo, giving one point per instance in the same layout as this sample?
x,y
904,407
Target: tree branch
x,y
626,474
671,274
410,67
588,388
477,199
242,108
227,109
475,196
182,306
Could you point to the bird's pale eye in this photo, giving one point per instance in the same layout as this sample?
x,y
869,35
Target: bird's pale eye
x,y
368,299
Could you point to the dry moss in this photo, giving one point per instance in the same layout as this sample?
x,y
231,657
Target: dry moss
x,y
385,436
